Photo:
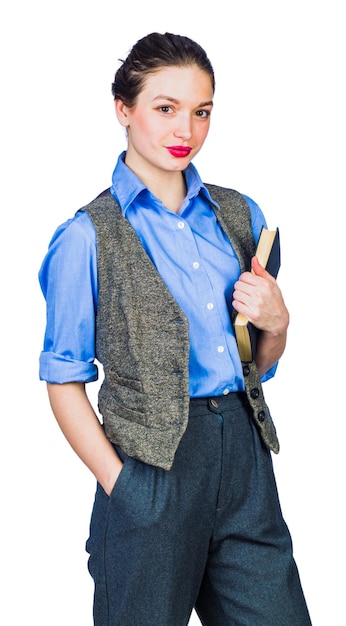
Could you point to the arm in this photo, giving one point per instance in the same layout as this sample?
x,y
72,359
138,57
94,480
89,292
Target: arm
x,y
82,429
70,267
258,297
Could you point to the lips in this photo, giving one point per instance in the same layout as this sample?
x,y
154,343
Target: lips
x,y
179,151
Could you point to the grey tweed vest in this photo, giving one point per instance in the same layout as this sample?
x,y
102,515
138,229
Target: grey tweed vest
x,y
142,338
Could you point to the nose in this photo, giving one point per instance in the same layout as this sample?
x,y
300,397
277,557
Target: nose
x,y
184,127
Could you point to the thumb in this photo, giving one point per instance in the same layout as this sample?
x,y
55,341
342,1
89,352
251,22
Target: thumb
x,y
257,267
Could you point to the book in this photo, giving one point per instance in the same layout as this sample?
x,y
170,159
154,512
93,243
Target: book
x,y
268,255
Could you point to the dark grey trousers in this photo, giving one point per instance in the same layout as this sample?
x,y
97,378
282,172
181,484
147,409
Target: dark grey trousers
x,y
208,534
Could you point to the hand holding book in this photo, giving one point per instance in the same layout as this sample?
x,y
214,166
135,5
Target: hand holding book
x,y
268,255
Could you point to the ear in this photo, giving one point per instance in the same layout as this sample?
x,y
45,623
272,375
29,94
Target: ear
x,y
121,111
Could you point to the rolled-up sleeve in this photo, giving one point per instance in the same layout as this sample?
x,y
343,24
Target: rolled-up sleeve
x,y
68,279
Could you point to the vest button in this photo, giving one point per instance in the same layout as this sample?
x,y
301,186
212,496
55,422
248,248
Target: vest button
x,y
214,403
246,370
261,416
254,393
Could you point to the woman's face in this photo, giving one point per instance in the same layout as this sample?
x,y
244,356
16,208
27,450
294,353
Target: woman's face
x,y
170,120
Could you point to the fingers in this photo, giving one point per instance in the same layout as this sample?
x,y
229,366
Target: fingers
x,y
256,297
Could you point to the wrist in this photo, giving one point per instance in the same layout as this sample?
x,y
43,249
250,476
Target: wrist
x,y
111,476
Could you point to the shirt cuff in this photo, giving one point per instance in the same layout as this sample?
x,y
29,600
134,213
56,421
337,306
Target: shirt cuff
x,y
55,368
269,374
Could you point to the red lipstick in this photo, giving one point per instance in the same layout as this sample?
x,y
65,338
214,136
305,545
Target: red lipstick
x,y
179,151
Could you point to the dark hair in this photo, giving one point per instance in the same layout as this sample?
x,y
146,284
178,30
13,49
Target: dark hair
x,y
151,53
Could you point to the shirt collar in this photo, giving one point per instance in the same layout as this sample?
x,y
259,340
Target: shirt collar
x,y
126,186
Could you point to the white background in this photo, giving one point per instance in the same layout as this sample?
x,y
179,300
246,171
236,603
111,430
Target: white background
x,y
278,135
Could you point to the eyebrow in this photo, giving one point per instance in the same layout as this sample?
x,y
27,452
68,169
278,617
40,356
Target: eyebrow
x,y
175,101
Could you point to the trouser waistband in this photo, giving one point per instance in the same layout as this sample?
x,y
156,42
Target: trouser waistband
x,y
218,404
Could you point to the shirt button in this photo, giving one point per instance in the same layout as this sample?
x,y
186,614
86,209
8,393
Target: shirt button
x,y
225,392
220,349
195,265
181,224
210,306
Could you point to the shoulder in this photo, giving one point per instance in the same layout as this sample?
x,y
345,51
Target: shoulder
x,y
239,205
71,254
257,216
73,243
232,204
216,191
73,231
101,204
219,193
228,198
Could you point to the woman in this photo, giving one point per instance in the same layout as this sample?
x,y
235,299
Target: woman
x,y
144,280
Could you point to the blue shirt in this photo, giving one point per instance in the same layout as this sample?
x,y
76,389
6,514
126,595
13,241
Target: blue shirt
x,y
194,258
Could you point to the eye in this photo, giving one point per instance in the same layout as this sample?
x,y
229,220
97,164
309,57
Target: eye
x,y
204,113
165,109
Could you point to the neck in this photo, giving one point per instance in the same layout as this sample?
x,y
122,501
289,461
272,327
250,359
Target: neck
x,y
171,191
169,187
